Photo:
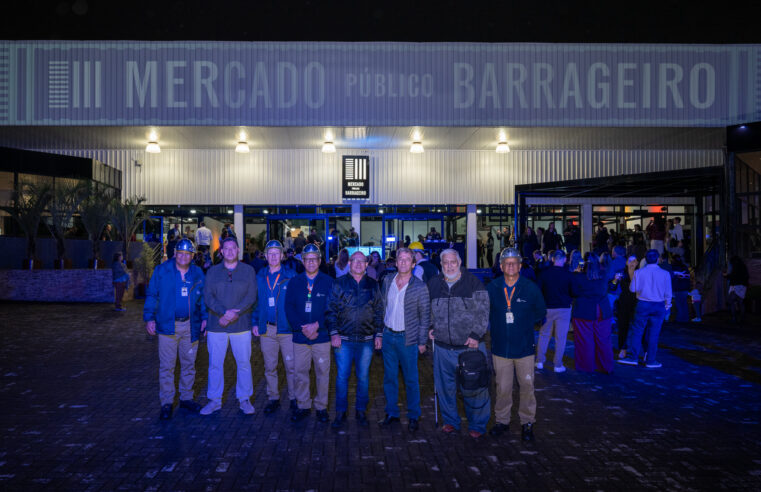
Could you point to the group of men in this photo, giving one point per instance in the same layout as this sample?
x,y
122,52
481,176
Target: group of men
x,y
301,317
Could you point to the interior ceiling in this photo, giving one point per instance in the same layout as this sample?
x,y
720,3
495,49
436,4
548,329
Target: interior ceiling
x,y
433,138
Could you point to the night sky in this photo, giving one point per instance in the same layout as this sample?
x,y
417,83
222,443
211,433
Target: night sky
x,y
666,21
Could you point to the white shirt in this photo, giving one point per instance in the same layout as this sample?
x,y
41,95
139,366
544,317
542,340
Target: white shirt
x,y
652,284
394,317
203,236
677,232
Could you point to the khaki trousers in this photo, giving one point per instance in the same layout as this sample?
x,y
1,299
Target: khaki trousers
x,y
560,321
169,347
507,370
304,354
272,344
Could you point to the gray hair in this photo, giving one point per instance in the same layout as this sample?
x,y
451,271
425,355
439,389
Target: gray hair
x,y
450,251
406,251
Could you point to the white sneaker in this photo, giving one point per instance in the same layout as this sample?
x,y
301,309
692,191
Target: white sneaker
x,y
539,365
559,368
246,407
211,407
622,354
653,365
696,320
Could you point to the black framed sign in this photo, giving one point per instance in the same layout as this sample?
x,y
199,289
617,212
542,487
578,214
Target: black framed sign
x,y
356,177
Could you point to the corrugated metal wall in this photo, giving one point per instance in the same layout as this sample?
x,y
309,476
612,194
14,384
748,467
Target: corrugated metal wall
x,y
285,177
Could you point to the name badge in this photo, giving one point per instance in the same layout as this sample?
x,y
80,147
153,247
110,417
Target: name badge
x,y
184,292
307,307
272,302
509,318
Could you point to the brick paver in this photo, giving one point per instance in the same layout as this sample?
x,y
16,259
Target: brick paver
x,y
80,412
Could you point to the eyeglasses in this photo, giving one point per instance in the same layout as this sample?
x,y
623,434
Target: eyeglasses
x,y
311,260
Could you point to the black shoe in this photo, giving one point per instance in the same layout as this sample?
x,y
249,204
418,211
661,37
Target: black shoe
x,y
190,405
166,412
294,406
339,421
388,420
271,407
300,414
322,416
362,418
413,425
527,432
499,429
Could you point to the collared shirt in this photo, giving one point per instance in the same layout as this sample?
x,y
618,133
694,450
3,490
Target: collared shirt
x,y
394,318
677,232
274,281
203,236
652,284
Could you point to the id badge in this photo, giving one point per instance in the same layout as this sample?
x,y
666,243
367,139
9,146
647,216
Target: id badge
x,y
272,301
308,307
509,318
184,292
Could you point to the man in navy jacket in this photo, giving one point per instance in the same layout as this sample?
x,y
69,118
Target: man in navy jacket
x,y
516,306
306,301
174,308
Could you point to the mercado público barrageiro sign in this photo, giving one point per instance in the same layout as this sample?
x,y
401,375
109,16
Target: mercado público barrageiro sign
x,y
355,177
392,84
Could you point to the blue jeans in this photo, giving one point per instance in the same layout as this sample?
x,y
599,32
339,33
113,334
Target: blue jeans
x,y
682,309
361,354
477,405
648,316
395,353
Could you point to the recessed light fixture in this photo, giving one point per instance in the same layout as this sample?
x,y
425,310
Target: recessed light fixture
x,y
229,211
242,147
502,147
192,211
417,147
153,143
328,147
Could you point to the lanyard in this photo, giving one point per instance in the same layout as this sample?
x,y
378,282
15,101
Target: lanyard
x,y
268,283
310,286
509,298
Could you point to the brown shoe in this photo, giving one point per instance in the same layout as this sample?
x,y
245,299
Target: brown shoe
x,y
448,429
475,434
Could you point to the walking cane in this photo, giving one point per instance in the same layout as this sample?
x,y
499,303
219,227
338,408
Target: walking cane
x,y
435,393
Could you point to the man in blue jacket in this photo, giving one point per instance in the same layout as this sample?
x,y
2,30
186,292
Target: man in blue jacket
x,y
516,306
306,301
174,308
268,319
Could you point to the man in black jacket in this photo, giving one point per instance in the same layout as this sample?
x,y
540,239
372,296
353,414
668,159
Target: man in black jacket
x,y
355,321
459,315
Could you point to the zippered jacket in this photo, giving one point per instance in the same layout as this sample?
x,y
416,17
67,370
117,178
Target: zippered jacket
x,y
160,299
355,310
458,313
259,312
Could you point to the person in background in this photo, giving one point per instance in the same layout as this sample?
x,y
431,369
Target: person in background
x,y
572,237
677,232
120,280
680,286
555,285
551,240
529,242
375,265
738,277
652,284
489,249
576,263
696,294
591,317
203,238
625,305
342,264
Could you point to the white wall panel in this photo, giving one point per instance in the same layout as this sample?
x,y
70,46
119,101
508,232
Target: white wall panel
x,y
279,177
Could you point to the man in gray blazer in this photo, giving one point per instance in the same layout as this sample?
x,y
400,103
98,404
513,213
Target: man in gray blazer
x,y
407,318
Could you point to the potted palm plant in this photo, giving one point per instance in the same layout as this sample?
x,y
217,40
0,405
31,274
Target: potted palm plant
x,y
64,203
95,212
143,268
126,216
26,208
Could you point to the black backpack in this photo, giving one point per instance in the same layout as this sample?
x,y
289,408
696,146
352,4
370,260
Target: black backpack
x,y
473,371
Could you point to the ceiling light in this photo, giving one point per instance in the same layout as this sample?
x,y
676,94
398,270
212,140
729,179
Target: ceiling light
x,y
502,147
417,147
192,211
153,147
242,147
328,147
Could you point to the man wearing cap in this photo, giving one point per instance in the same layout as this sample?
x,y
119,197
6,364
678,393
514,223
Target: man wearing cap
x,y
407,317
355,322
174,308
516,306
459,316
424,269
230,294
268,319
306,301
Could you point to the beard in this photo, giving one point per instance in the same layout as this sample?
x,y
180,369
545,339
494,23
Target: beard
x,y
452,276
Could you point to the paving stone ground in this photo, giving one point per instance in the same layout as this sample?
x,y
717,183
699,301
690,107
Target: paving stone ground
x,y
79,393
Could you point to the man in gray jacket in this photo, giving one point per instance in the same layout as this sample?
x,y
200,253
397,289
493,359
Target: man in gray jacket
x,y
460,316
407,317
230,294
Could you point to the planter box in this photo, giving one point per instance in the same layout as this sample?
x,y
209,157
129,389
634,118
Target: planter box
x,y
78,285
